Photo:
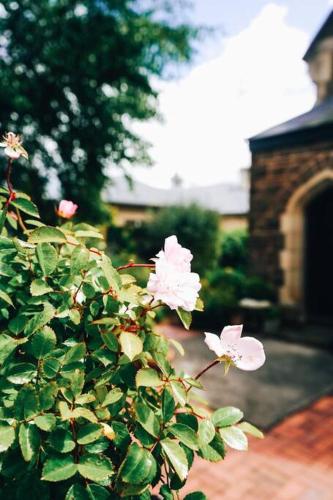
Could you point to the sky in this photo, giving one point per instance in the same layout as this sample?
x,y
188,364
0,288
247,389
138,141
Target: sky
x,y
245,79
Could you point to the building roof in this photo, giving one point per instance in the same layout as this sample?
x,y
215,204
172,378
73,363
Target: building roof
x,y
312,126
226,199
324,32
321,114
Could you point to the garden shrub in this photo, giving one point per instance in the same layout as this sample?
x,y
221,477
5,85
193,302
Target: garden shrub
x,y
90,406
234,249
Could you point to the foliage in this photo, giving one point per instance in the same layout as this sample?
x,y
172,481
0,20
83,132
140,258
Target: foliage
x,y
196,228
90,406
73,77
234,249
221,293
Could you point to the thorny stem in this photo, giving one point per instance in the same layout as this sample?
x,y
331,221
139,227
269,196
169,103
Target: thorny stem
x,y
132,264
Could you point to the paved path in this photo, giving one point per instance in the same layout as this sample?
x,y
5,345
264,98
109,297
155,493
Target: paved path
x,y
293,377
293,462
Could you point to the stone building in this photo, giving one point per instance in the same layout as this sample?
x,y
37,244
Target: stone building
x,y
291,199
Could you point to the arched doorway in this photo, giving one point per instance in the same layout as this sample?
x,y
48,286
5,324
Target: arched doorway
x,y
318,263
298,226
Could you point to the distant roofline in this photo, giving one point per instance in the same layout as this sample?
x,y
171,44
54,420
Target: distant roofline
x,y
224,198
325,31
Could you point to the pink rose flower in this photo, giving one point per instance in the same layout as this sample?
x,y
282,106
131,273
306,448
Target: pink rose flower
x,y
247,353
176,255
66,209
13,146
173,282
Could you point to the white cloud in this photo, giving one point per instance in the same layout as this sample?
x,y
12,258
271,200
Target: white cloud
x,y
258,81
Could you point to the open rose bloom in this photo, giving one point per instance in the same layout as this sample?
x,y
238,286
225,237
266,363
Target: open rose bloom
x,y
173,282
66,209
13,146
247,353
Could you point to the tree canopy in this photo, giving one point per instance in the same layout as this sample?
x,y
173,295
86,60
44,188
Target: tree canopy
x,y
75,76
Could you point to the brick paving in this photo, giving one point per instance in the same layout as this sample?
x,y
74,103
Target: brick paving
x,y
293,462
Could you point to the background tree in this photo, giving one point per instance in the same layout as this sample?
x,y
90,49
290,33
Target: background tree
x,y
74,77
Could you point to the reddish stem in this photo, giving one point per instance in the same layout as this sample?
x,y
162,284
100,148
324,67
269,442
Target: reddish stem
x,y
132,264
216,362
9,184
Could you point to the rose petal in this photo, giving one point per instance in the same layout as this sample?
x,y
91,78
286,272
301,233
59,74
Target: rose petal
x,y
11,153
231,333
214,343
251,354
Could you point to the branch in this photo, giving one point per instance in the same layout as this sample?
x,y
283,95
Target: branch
x,y
132,264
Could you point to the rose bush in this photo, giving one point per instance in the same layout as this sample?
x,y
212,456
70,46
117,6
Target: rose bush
x,y
90,405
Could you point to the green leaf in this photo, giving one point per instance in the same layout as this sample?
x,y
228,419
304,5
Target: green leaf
x,y
185,317
146,417
29,440
79,259
28,395
43,342
185,434
59,469
251,429
97,492
223,417
40,319
89,433
62,440
84,413
77,381
138,467
214,451
47,257
22,373
7,346
166,492
26,206
147,377
5,297
112,276
95,468
179,392
75,353
76,492
178,346
47,396
196,495
7,436
176,456
88,234
46,422
113,396
39,287
47,234
206,432
131,344
51,367
234,437
110,341
168,406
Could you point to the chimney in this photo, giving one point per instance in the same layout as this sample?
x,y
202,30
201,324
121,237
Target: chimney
x,y
319,57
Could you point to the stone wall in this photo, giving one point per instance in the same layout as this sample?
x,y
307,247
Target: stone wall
x,y
275,176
